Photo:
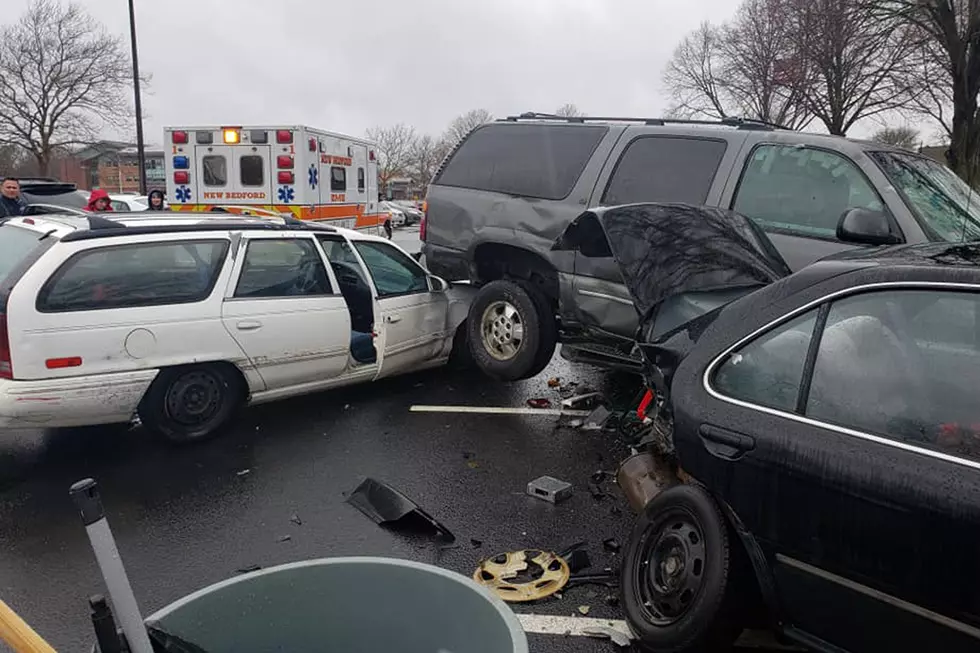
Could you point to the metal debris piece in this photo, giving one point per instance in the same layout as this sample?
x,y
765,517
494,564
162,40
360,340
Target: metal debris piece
x,y
576,423
584,610
295,519
581,401
550,489
618,637
539,402
520,576
386,505
284,538
248,569
243,472
596,421
611,544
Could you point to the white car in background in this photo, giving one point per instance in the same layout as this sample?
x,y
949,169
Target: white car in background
x,y
128,203
397,214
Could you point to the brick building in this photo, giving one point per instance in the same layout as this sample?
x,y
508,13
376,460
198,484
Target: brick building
x,y
114,166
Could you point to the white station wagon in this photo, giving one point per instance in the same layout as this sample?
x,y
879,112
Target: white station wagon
x,y
180,321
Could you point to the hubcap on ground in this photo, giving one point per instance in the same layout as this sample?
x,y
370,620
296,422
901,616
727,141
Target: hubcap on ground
x,y
671,574
503,330
194,398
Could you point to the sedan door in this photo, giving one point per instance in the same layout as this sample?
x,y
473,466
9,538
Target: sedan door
x,y
414,316
284,311
842,444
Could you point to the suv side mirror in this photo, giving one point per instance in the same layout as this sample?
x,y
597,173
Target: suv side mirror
x,y
438,284
866,227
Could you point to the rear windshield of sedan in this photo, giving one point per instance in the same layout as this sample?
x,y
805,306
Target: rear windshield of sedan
x,y
16,244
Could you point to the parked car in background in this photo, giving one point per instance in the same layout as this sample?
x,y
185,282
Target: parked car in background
x,y
815,436
128,203
412,213
396,212
508,190
182,320
51,192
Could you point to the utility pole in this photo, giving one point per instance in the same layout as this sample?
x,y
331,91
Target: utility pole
x,y
140,154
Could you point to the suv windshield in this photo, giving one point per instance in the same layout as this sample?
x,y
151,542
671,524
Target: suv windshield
x,y
945,205
16,244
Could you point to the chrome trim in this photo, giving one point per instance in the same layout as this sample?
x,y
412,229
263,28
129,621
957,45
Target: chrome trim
x,y
893,601
706,378
600,295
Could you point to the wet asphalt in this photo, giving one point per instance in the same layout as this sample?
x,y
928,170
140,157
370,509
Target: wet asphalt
x,y
186,517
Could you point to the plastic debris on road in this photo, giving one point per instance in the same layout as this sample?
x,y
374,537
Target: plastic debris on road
x,y
386,505
521,576
550,489
539,402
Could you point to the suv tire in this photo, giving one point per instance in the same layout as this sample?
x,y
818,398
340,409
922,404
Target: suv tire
x,y
191,403
512,331
678,575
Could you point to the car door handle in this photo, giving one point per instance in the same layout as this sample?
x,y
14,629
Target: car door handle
x,y
391,319
248,325
724,443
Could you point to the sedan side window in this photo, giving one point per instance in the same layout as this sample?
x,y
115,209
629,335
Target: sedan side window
x,y
768,370
394,272
904,365
282,267
802,190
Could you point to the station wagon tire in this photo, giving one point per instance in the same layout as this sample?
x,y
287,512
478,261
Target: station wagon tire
x,y
510,331
678,575
191,403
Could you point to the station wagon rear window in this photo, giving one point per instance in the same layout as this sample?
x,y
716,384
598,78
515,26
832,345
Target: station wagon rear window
x,y
126,276
16,244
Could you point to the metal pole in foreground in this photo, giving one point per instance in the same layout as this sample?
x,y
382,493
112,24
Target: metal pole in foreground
x,y
141,155
86,496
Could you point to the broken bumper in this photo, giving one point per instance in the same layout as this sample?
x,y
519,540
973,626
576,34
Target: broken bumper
x,y
73,401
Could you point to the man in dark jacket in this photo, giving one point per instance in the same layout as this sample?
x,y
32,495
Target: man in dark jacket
x,y
11,203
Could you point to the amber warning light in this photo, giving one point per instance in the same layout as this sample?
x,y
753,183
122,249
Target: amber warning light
x,y
231,136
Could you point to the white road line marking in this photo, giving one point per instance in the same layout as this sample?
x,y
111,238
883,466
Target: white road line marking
x,y
499,410
546,624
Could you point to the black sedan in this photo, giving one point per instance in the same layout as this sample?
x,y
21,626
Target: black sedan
x,y
816,436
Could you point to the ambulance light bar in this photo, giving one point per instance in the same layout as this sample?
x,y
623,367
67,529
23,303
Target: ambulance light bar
x,y
258,136
182,177
286,177
284,136
204,138
284,161
178,138
231,135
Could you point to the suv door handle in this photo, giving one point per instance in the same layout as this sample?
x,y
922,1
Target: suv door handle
x,y
248,325
724,443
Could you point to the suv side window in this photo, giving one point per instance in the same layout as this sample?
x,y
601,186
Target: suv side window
x,y
665,169
905,365
527,160
394,273
282,267
768,371
802,190
124,276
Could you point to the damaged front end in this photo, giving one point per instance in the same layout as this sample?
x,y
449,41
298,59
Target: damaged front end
x,y
681,264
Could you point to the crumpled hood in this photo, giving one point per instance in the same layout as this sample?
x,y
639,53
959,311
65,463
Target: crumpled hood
x,y
664,250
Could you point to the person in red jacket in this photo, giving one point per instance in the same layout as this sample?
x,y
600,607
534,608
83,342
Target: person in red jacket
x,y
98,201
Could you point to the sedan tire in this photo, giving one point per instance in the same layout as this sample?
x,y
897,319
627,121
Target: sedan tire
x,y
191,403
678,575
510,331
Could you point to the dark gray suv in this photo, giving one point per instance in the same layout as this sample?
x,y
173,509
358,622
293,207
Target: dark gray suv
x,y
503,196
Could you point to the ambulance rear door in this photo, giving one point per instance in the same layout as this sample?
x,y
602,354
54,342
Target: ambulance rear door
x,y
234,169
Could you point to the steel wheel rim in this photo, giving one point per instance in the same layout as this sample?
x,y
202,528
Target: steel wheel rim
x,y
670,576
502,329
194,398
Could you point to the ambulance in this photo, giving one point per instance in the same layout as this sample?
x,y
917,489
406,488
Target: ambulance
x,y
306,173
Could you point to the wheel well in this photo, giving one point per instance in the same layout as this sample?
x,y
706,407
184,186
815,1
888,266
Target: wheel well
x,y
231,368
493,261
761,607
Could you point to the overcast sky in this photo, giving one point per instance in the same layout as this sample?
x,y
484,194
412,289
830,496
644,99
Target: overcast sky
x,y
346,66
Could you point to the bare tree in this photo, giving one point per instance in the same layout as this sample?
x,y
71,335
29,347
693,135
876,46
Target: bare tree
x,y
948,70
568,111
858,60
394,145
904,137
693,74
425,155
62,79
464,124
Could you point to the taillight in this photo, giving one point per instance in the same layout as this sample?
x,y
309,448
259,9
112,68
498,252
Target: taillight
x,y
182,177
425,218
284,161
286,177
284,136
6,367
312,145
179,138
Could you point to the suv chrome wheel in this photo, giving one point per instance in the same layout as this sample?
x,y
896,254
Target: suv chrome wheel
x,y
503,330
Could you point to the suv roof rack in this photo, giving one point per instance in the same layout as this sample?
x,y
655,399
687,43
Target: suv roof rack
x,y
100,227
738,123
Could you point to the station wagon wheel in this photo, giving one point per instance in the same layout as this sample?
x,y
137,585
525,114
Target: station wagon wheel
x,y
190,403
678,581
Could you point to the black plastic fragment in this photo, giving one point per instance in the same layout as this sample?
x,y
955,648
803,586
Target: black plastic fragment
x,y
385,505
165,642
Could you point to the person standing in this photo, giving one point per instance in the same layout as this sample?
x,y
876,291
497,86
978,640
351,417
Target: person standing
x,y
155,200
12,204
98,201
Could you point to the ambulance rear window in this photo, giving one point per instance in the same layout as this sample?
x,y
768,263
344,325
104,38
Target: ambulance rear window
x,y
252,170
215,170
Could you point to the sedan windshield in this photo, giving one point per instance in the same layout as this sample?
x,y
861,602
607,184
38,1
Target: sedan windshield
x,y
944,203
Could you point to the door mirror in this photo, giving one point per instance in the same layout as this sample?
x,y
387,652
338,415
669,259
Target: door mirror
x,y
438,284
866,227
